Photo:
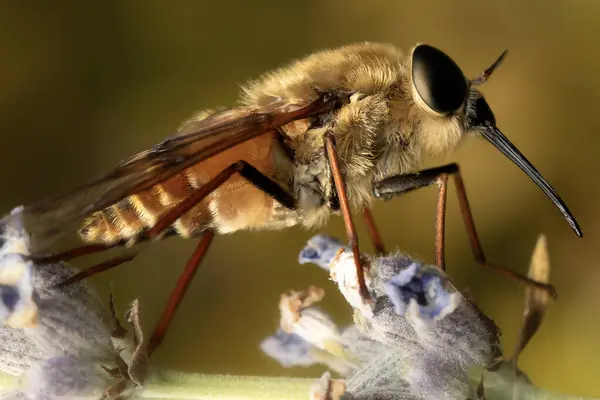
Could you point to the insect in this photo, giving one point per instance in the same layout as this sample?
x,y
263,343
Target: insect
x,y
327,134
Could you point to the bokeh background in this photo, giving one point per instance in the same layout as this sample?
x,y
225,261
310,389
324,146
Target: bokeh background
x,y
85,84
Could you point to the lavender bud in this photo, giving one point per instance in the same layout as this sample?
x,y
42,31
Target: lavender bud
x,y
417,338
62,355
320,250
307,335
343,272
422,290
288,349
65,378
18,308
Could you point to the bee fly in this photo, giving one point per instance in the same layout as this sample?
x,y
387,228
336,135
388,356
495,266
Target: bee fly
x,y
328,133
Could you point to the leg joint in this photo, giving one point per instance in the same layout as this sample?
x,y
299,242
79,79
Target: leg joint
x,y
264,183
240,166
400,184
453,168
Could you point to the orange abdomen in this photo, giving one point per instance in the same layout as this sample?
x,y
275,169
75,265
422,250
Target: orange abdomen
x,y
235,205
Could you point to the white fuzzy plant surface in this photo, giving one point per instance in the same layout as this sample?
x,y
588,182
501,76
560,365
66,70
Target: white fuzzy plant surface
x,y
418,339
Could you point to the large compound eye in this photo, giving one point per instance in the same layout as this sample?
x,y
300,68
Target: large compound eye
x,y
437,79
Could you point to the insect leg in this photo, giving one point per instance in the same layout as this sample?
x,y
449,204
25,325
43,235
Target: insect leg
x,y
334,204
96,269
373,231
83,251
179,291
87,250
253,175
73,253
246,170
340,187
400,184
250,173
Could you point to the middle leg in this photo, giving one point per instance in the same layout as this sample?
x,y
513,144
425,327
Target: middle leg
x,y
400,184
252,175
373,231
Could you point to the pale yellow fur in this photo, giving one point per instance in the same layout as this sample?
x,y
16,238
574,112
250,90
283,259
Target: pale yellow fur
x,y
382,129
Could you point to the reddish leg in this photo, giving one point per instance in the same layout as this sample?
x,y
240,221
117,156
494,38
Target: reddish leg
x,y
400,184
254,176
373,231
179,291
440,222
96,269
340,187
259,180
73,253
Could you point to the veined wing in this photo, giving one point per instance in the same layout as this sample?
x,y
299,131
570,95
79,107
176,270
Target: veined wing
x,y
49,218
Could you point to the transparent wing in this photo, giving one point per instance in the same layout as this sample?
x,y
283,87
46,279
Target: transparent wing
x,y
49,218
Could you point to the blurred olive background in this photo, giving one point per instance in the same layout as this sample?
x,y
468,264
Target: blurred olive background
x,y
85,84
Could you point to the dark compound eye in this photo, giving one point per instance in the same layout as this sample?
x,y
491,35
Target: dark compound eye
x,y
438,80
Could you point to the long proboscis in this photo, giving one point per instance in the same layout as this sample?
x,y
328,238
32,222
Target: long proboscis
x,y
501,142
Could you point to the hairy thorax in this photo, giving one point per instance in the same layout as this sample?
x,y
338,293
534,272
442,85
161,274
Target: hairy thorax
x,y
379,130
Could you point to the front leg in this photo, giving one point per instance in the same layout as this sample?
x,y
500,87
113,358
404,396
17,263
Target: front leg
x,y
340,188
400,184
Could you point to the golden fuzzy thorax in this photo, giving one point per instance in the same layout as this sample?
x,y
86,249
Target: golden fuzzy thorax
x,y
382,129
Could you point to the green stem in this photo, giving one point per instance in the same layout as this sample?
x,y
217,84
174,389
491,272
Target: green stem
x,y
504,384
171,385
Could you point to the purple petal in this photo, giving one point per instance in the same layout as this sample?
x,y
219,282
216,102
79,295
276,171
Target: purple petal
x,y
288,349
422,285
320,250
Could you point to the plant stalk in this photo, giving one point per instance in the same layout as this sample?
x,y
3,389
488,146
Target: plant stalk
x,y
171,385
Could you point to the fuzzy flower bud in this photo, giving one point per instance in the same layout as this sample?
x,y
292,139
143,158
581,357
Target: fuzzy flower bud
x,y
288,349
321,250
68,353
307,335
18,307
419,336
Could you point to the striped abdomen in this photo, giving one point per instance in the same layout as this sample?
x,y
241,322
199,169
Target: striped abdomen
x,y
233,206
